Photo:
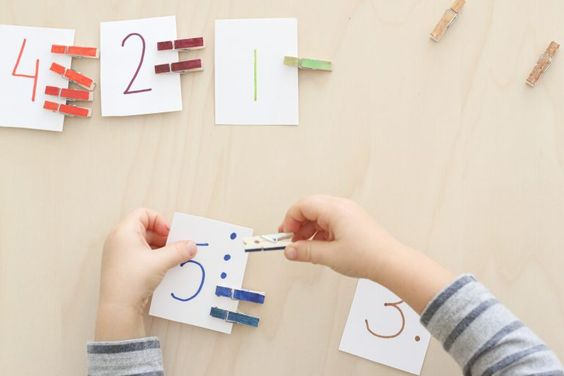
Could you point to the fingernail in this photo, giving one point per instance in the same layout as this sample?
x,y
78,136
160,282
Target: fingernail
x,y
192,249
291,252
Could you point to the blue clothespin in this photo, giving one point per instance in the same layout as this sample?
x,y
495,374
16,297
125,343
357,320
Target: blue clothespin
x,y
234,317
240,294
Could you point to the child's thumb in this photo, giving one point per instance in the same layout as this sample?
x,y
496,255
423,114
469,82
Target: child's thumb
x,y
176,253
314,251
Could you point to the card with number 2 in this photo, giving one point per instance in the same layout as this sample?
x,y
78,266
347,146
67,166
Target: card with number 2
x,y
128,55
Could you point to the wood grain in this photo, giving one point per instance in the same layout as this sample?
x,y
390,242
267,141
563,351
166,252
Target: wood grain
x,y
443,143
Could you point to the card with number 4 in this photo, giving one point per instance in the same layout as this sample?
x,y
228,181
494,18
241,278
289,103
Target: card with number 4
x,y
24,73
128,54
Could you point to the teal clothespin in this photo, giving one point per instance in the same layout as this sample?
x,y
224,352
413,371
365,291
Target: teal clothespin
x,y
234,317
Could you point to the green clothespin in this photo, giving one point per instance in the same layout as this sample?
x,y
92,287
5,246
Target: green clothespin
x,y
311,64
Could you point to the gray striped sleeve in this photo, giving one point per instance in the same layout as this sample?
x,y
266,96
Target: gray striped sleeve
x,y
135,357
483,336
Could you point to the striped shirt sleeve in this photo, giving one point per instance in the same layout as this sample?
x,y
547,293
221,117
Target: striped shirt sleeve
x,y
140,357
483,336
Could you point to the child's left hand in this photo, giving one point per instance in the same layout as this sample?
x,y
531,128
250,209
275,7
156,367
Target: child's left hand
x,y
134,262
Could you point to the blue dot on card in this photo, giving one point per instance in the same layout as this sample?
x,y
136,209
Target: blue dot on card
x,y
233,236
227,257
223,275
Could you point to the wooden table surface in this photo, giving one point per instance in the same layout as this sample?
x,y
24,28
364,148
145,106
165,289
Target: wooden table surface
x,y
443,143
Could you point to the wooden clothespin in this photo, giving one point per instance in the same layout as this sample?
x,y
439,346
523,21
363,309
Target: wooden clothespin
x,y
240,294
183,66
543,63
67,110
181,44
448,18
75,51
270,242
234,317
309,64
69,94
73,76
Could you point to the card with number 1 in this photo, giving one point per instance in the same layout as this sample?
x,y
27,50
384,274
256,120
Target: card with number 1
x,y
252,84
128,55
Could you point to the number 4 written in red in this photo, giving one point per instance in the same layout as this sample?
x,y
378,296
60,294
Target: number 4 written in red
x,y
34,76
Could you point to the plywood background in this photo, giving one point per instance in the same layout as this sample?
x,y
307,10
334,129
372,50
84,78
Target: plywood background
x,y
443,143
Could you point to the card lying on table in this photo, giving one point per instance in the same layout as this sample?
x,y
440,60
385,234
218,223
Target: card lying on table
x,y
252,84
384,329
24,73
128,55
187,292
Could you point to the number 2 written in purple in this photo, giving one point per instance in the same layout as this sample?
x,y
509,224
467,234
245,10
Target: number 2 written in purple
x,y
128,88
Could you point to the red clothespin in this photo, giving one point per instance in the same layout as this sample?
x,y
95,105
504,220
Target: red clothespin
x,y
180,67
69,94
75,51
73,76
181,44
67,110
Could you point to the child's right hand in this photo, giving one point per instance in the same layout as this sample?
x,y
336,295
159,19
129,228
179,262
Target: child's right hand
x,y
338,233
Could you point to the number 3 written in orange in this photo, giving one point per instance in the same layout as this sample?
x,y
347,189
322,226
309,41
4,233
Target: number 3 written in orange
x,y
399,331
34,76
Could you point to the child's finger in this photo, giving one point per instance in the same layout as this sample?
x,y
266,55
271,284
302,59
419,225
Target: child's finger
x,y
175,254
148,220
313,209
306,231
314,251
155,240
322,236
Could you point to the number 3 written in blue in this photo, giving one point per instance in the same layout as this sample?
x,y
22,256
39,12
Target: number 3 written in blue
x,y
128,88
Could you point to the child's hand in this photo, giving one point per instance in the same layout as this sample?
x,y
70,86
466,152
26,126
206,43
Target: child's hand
x,y
345,237
338,233
134,262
